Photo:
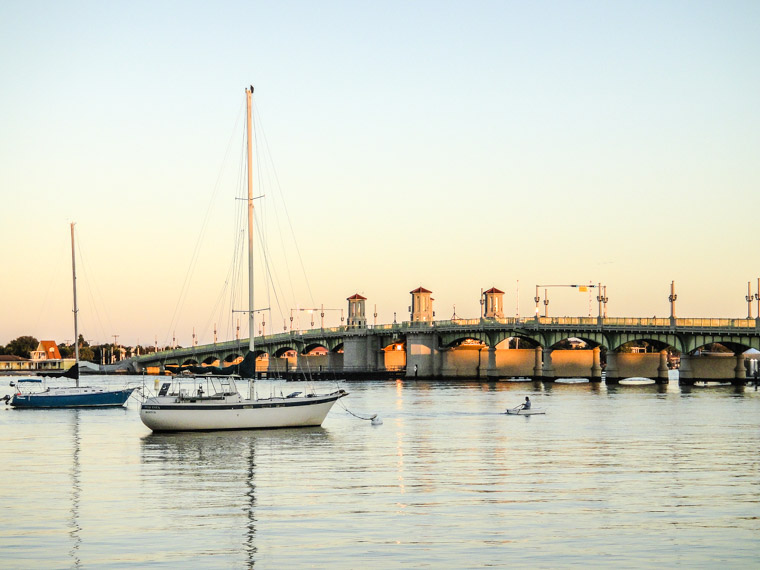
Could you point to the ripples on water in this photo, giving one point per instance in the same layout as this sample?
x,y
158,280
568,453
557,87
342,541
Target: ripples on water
x,y
626,476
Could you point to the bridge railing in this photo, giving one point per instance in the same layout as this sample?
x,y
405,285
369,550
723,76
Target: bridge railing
x,y
720,323
635,322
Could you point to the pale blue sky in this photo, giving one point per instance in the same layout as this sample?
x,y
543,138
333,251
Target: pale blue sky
x,y
453,145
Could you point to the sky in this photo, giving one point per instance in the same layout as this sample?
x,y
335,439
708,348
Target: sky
x,y
451,145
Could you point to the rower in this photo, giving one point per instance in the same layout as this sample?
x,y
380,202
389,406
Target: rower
x,y
526,405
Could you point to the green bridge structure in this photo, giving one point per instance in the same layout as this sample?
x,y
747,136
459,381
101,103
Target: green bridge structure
x,y
490,348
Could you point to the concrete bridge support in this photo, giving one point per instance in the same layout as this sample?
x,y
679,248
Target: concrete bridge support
x,y
662,369
538,367
515,362
356,353
492,372
740,369
635,365
573,364
684,370
612,374
596,365
379,357
712,368
548,368
423,356
334,362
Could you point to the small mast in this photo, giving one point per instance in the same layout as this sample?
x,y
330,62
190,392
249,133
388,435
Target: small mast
x,y
76,310
248,93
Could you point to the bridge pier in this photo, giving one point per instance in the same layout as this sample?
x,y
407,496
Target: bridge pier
x,y
684,370
596,366
423,356
612,374
492,372
740,370
662,369
538,367
712,368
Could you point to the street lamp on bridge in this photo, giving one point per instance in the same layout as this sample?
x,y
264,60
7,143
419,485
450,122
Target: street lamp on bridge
x,y
672,298
582,288
749,297
321,311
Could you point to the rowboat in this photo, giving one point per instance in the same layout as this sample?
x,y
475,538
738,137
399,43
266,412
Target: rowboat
x,y
524,412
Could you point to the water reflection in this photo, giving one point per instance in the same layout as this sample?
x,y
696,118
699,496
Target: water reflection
x,y
75,530
215,473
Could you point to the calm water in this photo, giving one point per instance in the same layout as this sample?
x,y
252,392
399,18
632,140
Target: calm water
x,y
627,476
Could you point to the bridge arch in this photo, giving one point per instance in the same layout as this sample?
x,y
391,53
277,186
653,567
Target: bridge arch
x,y
311,347
282,351
736,343
471,340
232,357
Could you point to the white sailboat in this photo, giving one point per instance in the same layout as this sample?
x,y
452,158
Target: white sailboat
x,y
69,396
176,409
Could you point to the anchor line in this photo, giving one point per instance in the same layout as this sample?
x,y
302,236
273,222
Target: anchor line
x,y
342,405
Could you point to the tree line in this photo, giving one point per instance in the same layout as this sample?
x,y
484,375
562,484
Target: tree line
x,y
23,347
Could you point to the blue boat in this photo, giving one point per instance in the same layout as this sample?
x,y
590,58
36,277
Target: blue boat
x,y
71,397
68,397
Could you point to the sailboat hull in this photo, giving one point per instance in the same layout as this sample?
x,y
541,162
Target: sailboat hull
x,y
232,412
72,398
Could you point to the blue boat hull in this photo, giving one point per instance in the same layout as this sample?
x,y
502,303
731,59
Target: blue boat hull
x,y
93,399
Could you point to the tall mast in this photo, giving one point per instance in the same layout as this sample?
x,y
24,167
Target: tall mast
x,y
76,310
248,93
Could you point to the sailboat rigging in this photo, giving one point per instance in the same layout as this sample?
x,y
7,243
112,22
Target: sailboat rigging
x,y
177,409
76,396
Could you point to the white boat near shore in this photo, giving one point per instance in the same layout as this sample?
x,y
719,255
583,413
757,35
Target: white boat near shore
x,y
178,409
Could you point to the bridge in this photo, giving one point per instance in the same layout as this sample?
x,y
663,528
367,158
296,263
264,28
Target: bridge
x,y
492,348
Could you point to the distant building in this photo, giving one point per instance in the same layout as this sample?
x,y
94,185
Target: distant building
x,y
46,350
48,357
12,362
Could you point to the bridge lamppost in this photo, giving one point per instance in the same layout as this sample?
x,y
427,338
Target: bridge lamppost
x,y
672,298
757,298
749,297
546,303
536,299
599,298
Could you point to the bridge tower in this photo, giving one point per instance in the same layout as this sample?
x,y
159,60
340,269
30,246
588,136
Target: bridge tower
x,y
421,310
356,316
494,304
